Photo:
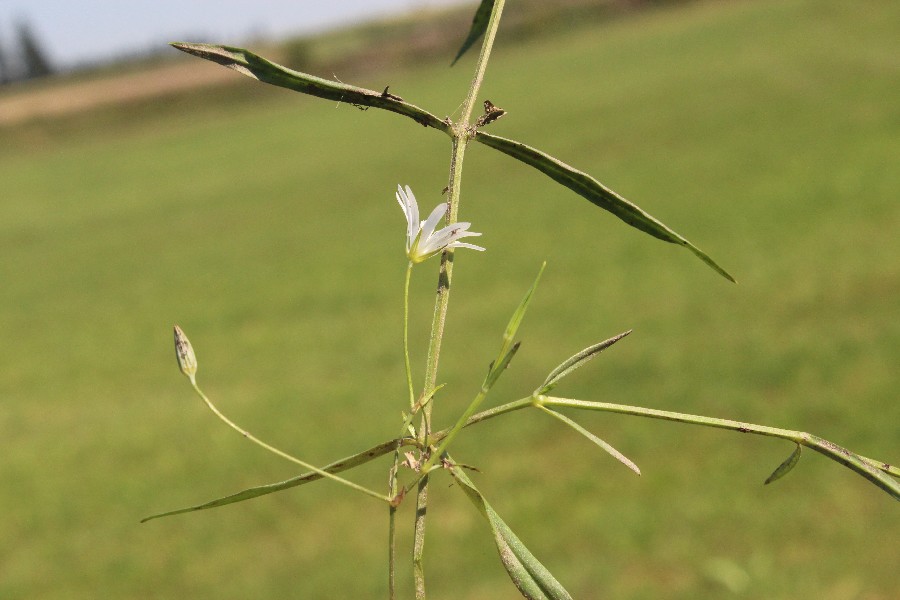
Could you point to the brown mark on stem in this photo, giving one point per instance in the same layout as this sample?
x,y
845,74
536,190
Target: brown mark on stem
x,y
390,96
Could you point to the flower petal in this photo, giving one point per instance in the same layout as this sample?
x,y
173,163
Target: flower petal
x,y
465,245
431,222
451,233
410,207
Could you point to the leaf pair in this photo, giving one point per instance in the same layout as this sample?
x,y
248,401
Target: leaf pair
x,y
566,367
581,183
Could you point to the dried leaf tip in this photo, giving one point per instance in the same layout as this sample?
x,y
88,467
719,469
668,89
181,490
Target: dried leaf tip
x,y
184,353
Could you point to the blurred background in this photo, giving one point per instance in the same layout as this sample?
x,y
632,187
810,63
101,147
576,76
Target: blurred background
x,y
141,188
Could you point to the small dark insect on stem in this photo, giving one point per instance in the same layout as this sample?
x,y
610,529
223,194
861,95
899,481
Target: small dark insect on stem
x,y
491,114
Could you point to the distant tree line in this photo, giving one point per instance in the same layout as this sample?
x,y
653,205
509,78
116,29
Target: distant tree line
x,y
25,58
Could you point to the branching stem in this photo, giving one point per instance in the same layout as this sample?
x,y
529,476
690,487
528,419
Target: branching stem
x,y
882,474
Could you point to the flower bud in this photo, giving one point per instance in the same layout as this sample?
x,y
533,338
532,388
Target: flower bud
x,y
184,352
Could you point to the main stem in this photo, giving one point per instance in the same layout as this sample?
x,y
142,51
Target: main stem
x,y
461,136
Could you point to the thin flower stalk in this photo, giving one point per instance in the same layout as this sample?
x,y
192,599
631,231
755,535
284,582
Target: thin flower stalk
x,y
409,383
285,455
187,362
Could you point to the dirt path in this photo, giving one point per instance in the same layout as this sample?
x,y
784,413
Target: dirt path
x,y
61,97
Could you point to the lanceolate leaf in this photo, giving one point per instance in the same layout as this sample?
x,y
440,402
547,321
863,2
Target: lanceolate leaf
x,y
479,26
785,467
513,326
506,348
604,445
498,367
255,492
259,68
583,184
532,578
576,361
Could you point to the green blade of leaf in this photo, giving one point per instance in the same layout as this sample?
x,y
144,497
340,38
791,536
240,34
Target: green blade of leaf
x,y
506,347
259,68
876,474
576,361
586,186
516,319
604,445
785,467
498,367
532,578
255,492
479,26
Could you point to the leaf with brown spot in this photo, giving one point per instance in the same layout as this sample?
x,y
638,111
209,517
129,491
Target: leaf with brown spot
x,y
595,192
257,67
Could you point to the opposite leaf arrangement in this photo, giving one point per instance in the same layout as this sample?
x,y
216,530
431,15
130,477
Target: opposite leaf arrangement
x,y
428,450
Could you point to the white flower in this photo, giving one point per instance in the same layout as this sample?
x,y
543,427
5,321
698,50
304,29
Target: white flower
x,y
422,241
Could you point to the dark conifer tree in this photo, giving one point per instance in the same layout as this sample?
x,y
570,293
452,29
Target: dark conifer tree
x,y
34,62
6,74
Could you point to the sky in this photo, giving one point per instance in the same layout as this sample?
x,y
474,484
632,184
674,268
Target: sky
x,y
75,31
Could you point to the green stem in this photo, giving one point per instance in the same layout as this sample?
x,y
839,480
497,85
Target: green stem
x,y
285,455
461,136
409,383
526,402
481,66
448,438
392,518
878,475
487,414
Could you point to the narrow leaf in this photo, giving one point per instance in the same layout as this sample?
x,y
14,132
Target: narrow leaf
x,y
516,320
586,186
506,348
576,361
608,448
785,467
532,578
255,492
479,26
498,367
259,68
876,474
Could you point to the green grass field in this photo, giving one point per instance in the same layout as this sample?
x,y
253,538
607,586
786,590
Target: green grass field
x,y
765,132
